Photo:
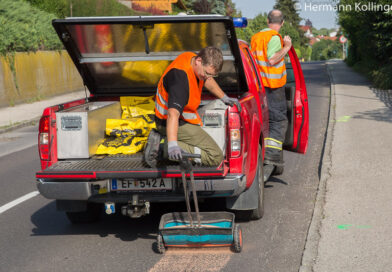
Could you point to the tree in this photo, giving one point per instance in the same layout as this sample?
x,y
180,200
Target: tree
x,y
370,39
202,7
231,9
326,49
254,25
289,12
62,8
291,26
223,7
321,32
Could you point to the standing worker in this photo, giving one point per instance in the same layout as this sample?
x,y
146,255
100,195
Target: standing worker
x,y
269,50
177,99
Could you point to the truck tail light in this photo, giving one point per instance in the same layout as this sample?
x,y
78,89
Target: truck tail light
x,y
44,138
235,134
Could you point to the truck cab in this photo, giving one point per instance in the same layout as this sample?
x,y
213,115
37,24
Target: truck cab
x,y
121,57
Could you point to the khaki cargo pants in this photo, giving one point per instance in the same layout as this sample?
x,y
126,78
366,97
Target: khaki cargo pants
x,y
193,139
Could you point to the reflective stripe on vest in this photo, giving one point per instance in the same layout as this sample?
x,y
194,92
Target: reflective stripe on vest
x,y
265,63
160,109
163,111
189,114
161,99
273,76
273,143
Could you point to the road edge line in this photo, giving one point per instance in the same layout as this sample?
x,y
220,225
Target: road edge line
x,y
18,201
310,254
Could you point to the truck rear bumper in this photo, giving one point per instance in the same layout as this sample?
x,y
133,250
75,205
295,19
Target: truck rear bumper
x,y
99,191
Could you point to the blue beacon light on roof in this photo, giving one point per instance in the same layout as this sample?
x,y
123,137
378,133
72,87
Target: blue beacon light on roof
x,y
240,22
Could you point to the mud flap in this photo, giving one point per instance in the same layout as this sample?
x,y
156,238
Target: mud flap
x,y
247,200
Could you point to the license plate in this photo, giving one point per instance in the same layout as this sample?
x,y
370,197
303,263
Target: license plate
x,y
141,185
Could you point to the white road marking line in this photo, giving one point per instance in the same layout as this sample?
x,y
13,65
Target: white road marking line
x,y
18,201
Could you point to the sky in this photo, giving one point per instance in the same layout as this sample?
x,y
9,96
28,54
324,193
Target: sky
x,y
320,12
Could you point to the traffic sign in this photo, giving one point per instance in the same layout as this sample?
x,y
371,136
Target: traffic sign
x,y
342,39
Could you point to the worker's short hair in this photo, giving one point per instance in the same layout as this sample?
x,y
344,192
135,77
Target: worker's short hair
x,y
211,56
275,16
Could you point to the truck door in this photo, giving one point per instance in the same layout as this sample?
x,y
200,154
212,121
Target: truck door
x,y
297,106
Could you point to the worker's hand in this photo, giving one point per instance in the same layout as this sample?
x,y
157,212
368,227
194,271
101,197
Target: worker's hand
x,y
287,41
231,102
174,151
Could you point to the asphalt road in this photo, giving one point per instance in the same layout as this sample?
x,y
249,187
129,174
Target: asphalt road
x,y
35,237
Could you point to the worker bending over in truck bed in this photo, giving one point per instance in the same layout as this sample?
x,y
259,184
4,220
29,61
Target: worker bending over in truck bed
x,y
177,99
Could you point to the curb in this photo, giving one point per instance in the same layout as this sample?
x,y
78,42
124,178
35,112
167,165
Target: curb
x,y
21,124
53,100
310,254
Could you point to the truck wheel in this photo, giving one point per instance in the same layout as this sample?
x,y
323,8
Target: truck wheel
x,y
247,215
160,245
92,214
237,241
259,211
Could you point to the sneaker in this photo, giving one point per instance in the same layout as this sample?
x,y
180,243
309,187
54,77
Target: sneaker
x,y
151,151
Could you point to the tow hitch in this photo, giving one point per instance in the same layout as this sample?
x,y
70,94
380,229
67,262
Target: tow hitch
x,y
136,208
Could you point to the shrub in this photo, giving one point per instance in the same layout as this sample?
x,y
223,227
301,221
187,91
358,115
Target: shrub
x,y
81,8
25,28
382,77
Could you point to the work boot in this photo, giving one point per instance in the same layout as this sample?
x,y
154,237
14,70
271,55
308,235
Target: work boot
x,y
151,151
275,159
275,163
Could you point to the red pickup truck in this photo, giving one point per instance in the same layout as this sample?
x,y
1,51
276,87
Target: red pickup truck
x,y
125,56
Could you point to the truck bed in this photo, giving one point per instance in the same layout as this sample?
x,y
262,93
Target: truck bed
x,y
120,166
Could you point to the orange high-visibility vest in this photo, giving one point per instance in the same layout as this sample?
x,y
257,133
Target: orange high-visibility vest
x,y
189,114
273,76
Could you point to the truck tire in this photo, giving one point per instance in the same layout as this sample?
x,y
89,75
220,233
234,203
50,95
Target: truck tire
x,y
259,211
92,214
247,215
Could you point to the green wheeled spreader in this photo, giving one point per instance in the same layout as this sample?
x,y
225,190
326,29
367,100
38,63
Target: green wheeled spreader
x,y
197,229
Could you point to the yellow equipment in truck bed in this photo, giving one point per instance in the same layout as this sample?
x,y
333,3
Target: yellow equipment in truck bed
x,y
129,134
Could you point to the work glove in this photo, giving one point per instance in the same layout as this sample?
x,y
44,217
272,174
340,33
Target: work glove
x,y
174,151
231,102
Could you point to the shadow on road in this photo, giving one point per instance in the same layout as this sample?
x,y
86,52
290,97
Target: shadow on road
x,y
385,96
380,114
48,221
269,183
